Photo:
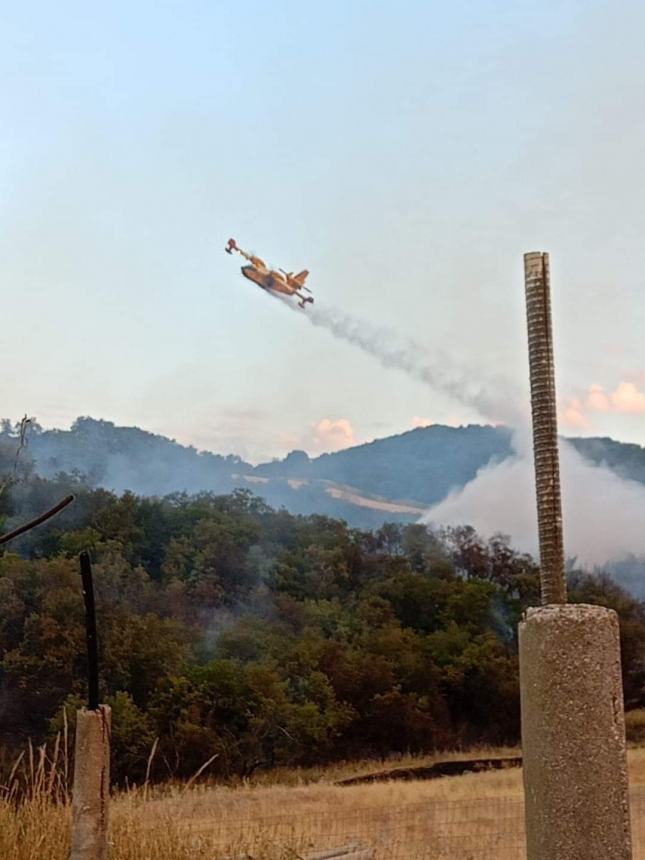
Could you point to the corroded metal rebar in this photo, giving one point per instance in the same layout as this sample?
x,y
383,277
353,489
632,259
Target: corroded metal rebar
x,y
545,427
38,521
90,630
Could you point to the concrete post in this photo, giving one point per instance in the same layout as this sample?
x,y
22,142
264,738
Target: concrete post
x,y
573,734
90,799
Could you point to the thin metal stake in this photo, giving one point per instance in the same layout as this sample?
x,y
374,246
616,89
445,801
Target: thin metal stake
x,y
90,628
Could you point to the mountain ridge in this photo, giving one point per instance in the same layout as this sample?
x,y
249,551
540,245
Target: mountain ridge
x,y
396,477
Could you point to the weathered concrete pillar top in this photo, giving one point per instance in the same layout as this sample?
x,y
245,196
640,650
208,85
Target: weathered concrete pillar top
x,y
558,613
573,734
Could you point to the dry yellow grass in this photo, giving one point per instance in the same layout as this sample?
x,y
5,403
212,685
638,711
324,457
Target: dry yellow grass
x,y
469,817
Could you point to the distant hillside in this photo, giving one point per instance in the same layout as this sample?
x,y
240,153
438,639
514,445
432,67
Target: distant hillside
x,y
128,458
394,479
422,465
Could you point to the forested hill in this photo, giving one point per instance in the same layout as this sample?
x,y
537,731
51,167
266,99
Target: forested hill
x,y
393,479
263,639
126,458
422,465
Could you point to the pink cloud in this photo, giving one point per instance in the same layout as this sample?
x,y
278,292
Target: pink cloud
x,y
626,398
324,436
573,414
597,399
419,421
333,435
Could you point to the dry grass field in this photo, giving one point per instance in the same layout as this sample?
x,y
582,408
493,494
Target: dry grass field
x,y
469,817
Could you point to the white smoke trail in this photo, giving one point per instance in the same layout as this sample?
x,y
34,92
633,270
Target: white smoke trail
x,y
494,398
602,512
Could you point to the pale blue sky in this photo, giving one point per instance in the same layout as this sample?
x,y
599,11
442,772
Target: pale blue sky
x,y
407,153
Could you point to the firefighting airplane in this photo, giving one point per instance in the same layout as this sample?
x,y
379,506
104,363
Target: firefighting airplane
x,y
272,280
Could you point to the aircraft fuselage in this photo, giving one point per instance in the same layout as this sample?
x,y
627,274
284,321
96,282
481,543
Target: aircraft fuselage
x,y
272,280
268,280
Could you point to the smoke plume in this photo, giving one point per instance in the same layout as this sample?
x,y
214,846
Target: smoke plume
x,y
493,398
602,512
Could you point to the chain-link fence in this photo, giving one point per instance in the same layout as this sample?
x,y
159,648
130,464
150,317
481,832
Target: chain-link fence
x,y
482,829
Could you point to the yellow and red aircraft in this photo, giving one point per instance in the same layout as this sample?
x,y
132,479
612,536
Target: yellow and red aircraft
x,y
272,280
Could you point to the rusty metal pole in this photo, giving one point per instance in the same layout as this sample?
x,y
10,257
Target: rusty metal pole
x,y
545,427
573,729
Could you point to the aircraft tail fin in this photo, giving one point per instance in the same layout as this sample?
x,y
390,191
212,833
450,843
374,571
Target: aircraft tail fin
x,y
301,277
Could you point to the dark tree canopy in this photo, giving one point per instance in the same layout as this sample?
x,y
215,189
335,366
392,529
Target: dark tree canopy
x,y
229,628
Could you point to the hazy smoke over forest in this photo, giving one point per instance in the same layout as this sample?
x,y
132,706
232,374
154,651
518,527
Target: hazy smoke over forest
x,y
602,512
